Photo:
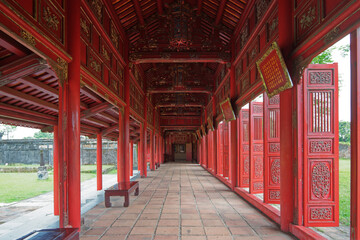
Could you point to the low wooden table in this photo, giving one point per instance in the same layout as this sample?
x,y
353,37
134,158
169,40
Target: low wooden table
x,y
121,189
57,233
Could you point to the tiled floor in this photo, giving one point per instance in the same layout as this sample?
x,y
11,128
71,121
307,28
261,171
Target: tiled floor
x,y
180,201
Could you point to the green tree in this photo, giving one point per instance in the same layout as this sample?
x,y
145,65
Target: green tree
x,y
43,135
324,57
344,131
6,130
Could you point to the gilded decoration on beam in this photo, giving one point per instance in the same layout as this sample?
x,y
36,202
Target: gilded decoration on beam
x,y
261,8
332,35
94,65
28,38
61,70
50,18
114,36
85,27
134,56
105,53
96,6
307,18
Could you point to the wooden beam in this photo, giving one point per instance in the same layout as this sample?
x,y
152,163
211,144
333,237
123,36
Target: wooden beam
x,y
199,7
159,90
179,105
37,84
220,12
179,57
20,68
160,7
23,123
138,12
108,117
96,122
9,92
26,117
95,110
88,93
28,112
109,130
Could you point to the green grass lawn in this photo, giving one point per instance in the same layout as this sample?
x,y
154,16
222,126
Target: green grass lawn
x,y
344,191
92,168
19,186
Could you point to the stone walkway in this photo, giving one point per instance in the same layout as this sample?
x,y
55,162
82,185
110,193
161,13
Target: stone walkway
x,y
180,201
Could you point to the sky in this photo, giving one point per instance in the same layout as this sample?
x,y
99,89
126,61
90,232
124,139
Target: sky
x,y
344,94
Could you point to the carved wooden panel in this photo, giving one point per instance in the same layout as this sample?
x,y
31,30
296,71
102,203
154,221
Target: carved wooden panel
x,y
272,149
321,156
256,147
136,99
244,163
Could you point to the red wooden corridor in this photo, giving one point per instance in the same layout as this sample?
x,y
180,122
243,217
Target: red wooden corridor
x,y
175,78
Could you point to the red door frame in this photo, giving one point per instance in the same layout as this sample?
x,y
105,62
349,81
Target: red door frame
x,y
272,149
244,149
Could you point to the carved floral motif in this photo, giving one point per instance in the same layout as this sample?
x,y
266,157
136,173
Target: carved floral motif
x,y
96,6
245,147
307,18
105,53
275,171
274,147
261,8
28,38
246,165
258,147
320,146
258,167
50,18
114,36
275,100
258,108
274,195
320,77
94,65
320,180
85,28
321,213
258,186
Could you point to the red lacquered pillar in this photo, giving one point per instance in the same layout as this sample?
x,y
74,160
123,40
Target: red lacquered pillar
x,y
126,160
131,150
144,166
73,114
56,170
286,131
355,134
121,155
139,152
232,134
99,161
152,151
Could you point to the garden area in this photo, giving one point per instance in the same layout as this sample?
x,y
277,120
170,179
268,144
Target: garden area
x,y
17,186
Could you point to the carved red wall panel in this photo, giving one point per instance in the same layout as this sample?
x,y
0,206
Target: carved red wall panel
x,y
136,99
226,149
256,184
244,148
272,149
321,137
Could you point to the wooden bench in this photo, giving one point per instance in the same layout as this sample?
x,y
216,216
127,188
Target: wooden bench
x,y
121,189
56,233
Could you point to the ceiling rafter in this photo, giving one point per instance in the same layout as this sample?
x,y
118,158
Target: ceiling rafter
x,y
220,12
95,110
138,12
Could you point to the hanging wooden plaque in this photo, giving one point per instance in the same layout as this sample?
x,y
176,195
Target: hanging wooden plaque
x,y
227,110
273,71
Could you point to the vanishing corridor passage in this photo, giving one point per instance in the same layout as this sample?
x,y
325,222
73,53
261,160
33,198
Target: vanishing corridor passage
x,y
180,201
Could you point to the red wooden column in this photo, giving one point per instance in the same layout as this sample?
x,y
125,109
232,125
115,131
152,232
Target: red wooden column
x,y
355,134
121,150
232,134
99,161
56,170
286,131
140,150
214,140
126,139
131,150
152,150
72,141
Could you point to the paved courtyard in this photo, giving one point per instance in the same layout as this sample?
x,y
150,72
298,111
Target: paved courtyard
x,y
180,201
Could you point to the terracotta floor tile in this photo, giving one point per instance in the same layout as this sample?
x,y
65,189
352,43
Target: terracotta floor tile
x,y
190,216
149,216
217,231
169,216
168,222
209,216
191,222
192,231
219,237
84,237
95,231
212,223
193,237
112,237
146,223
142,230
167,231
166,237
243,231
118,230
122,222
140,237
